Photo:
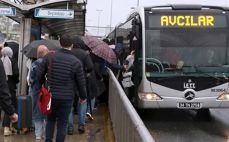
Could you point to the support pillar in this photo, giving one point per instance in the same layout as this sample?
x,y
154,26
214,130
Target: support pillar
x,y
25,30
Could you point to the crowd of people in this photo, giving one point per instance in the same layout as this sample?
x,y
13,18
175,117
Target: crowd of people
x,y
72,73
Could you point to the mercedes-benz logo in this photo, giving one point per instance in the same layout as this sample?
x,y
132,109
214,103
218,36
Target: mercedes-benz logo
x,y
189,95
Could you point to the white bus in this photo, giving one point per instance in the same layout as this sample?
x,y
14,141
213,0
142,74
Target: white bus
x,y
181,56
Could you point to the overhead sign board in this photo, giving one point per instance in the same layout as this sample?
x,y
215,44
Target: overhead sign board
x,y
187,21
54,13
7,11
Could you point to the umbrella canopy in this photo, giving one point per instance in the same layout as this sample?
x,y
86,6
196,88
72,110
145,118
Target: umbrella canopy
x,y
30,50
100,48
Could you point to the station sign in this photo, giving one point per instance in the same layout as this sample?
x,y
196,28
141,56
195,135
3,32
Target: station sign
x,y
7,11
54,13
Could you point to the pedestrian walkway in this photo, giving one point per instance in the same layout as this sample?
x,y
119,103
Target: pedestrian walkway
x,y
96,131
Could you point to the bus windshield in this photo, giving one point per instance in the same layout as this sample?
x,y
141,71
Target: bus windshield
x,y
184,41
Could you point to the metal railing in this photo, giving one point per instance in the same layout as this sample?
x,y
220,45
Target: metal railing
x,y
126,123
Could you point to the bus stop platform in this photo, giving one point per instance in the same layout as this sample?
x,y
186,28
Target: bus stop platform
x,y
98,130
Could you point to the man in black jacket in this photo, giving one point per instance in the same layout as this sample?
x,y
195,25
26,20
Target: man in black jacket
x,y
65,73
87,64
5,100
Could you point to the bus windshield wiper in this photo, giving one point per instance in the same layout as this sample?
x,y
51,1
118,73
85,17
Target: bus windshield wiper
x,y
167,77
204,73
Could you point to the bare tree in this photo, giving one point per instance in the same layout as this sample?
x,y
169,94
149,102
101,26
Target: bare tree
x,y
9,28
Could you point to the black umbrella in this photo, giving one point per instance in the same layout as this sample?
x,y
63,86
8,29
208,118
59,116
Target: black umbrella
x,y
30,50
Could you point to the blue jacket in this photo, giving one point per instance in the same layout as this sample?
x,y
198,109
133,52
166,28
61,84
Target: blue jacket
x,y
65,75
33,73
34,89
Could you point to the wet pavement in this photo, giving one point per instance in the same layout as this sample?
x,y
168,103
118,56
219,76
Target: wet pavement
x,y
95,130
187,125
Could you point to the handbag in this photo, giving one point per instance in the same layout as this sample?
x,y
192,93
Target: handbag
x,y
45,100
44,95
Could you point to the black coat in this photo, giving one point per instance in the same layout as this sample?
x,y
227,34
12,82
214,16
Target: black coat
x,y
85,59
13,79
5,100
65,75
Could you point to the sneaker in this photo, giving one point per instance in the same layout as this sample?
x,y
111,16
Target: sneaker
x,y
81,129
13,130
38,138
89,116
70,131
7,131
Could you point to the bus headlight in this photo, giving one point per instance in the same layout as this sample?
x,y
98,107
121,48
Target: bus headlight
x,y
224,96
149,96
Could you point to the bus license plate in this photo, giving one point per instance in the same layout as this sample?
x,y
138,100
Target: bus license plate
x,y
189,105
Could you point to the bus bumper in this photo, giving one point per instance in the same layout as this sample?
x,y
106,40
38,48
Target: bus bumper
x,y
181,103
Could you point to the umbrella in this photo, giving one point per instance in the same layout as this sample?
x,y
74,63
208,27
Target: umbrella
x,y
100,48
30,50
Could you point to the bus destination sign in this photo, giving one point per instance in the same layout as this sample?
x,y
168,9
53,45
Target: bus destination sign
x,y
187,21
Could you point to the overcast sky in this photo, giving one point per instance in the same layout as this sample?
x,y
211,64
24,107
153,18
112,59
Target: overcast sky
x,y
100,10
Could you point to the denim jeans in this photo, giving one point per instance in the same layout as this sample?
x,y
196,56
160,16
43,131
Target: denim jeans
x,y
71,120
60,113
38,119
39,128
92,106
82,108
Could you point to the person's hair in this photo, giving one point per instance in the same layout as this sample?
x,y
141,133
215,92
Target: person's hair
x,y
106,41
112,41
42,50
66,41
78,42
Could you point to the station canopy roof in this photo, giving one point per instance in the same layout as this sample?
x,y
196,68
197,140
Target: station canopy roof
x,y
74,26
